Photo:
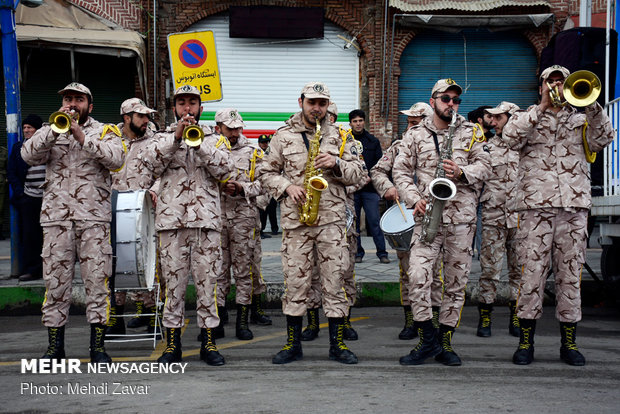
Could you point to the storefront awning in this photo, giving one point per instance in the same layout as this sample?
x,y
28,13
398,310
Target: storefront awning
x,y
462,5
456,23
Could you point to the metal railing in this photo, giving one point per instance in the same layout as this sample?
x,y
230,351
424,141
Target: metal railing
x,y
611,154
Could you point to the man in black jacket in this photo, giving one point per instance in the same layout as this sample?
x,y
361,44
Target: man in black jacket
x,y
367,197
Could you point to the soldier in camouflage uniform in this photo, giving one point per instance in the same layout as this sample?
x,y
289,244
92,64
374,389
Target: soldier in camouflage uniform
x,y
553,199
381,179
418,156
282,175
188,220
240,215
134,175
75,216
499,223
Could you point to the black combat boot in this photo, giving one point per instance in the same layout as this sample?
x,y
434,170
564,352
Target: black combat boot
x,y
218,331
154,327
447,356
292,350
513,324
435,319
208,350
312,330
338,350
484,322
257,314
173,352
116,325
569,352
524,355
348,332
97,342
408,332
56,348
222,312
139,320
242,329
426,348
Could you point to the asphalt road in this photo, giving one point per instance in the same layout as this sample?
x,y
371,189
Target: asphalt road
x,y
486,382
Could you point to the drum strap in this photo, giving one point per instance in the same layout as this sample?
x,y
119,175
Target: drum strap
x,y
434,134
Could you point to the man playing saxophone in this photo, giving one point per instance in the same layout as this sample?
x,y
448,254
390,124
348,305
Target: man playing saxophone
x,y
283,173
419,156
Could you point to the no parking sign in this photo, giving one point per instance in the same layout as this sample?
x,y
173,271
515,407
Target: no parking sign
x,y
193,59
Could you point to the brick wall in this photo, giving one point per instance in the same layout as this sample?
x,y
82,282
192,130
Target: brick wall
x,y
125,13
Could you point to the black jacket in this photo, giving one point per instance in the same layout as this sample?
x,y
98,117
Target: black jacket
x,y
372,154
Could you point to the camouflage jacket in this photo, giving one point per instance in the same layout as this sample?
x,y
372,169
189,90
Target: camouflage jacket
x,y
78,180
243,206
497,208
418,157
553,171
134,175
189,194
381,173
286,162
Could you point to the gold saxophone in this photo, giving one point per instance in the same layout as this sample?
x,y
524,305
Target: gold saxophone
x,y
313,182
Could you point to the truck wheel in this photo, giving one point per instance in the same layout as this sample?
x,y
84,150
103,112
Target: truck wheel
x,y
610,268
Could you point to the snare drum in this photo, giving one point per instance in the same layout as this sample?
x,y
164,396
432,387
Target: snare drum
x,y
135,240
397,231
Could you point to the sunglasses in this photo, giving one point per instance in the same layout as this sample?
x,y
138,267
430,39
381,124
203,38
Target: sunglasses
x,y
446,99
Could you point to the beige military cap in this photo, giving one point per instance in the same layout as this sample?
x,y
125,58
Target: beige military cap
x,y
503,108
555,68
443,85
332,109
77,87
135,105
314,90
229,117
419,109
187,90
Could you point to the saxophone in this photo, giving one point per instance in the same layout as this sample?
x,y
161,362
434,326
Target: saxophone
x,y
441,189
314,183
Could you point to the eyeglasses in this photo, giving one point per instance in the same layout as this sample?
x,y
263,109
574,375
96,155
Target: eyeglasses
x,y
446,99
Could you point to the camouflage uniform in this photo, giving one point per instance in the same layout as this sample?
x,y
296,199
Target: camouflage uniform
x,y
285,165
188,221
499,222
76,215
418,157
381,178
553,199
239,235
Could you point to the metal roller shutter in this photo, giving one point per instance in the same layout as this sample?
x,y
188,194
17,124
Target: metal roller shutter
x,y
491,67
263,78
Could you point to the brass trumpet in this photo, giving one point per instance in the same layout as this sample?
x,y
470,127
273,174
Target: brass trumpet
x,y
193,135
582,88
60,122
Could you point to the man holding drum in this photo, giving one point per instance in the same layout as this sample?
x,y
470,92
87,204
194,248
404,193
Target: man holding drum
x,y
188,220
76,214
421,152
134,175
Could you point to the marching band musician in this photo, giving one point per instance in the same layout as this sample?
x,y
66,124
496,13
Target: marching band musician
x,y
553,199
134,175
282,175
381,179
240,215
76,215
499,221
419,155
188,221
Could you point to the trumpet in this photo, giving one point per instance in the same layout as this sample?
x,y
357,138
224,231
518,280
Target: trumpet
x,y
60,122
582,88
554,95
193,135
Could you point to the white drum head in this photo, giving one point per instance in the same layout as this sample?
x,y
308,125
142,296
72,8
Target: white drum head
x,y
393,221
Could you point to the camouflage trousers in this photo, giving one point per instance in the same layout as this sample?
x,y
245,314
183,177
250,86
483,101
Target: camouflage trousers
x,y
61,242
551,236
452,245
405,285
258,283
298,262
196,252
314,296
495,242
238,250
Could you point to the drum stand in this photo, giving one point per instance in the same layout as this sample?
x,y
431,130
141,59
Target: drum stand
x,y
128,337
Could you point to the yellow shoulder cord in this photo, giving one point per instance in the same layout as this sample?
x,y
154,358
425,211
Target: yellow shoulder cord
x,y
477,136
258,153
222,140
343,134
114,129
590,156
